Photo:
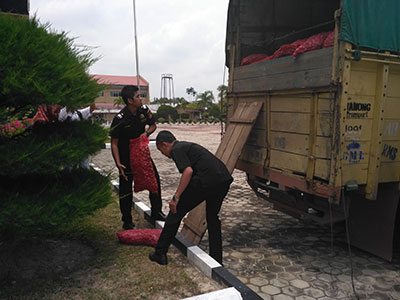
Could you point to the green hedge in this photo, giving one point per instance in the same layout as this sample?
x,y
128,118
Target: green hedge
x,y
40,66
42,203
49,148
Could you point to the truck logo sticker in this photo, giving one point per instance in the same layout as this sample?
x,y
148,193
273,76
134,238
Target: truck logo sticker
x,y
354,155
392,129
353,131
389,152
353,145
357,110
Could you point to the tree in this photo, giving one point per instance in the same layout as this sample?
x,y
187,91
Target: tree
x,y
222,93
167,112
205,100
39,188
181,102
119,101
191,92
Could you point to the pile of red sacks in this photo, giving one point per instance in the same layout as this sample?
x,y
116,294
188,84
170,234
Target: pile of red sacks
x,y
314,42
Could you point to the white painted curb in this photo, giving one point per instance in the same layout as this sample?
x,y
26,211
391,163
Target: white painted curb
x,y
225,294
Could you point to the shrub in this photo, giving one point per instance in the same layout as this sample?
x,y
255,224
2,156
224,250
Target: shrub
x,y
37,203
161,120
39,66
166,111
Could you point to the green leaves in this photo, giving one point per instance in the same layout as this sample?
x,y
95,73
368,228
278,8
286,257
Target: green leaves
x,y
40,66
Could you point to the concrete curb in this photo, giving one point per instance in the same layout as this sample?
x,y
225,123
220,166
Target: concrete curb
x,y
205,263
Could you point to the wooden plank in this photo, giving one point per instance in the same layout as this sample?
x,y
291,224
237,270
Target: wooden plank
x,y
194,225
290,122
229,131
322,168
253,109
392,107
257,137
261,121
307,61
393,87
391,129
389,171
312,138
290,104
286,81
253,154
382,75
288,161
359,173
362,83
289,142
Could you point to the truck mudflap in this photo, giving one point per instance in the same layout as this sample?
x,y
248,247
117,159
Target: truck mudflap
x,y
371,224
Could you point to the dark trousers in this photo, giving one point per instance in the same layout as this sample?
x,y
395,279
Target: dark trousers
x,y
190,198
125,196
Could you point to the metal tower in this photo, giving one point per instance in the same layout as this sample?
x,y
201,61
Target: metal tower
x,y
167,87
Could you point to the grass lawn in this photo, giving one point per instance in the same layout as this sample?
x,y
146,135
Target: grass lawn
x,y
86,261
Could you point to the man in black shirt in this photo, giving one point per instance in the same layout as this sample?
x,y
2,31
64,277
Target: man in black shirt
x,y
204,177
130,123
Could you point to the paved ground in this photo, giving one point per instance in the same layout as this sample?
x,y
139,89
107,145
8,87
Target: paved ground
x,y
278,256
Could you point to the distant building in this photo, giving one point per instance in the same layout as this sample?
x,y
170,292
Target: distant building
x,y
105,107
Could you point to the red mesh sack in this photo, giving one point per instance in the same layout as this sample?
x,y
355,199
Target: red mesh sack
x,y
329,40
314,42
288,49
46,113
252,59
144,177
148,237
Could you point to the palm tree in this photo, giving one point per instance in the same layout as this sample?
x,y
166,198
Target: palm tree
x,y
205,99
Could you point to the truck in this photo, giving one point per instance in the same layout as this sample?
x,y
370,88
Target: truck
x,y
324,128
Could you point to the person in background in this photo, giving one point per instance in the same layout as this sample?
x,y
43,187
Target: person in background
x,y
130,123
67,114
204,177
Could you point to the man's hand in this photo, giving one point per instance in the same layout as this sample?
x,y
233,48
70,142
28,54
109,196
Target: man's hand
x,y
172,205
122,168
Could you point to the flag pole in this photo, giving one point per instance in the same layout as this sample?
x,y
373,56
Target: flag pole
x,y
136,46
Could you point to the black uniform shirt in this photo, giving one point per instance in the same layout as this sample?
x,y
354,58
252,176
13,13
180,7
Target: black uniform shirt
x,y
207,168
126,126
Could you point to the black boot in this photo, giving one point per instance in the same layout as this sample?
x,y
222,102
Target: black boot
x,y
159,258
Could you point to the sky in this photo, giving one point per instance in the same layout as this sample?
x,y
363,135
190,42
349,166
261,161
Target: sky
x,y
185,38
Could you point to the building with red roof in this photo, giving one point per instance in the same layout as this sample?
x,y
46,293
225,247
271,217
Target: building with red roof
x,y
105,106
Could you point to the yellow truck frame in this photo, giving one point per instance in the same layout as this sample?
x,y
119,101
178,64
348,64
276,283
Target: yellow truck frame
x,y
325,143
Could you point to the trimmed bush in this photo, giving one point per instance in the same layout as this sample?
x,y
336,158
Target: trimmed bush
x,y
50,148
39,66
37,192
41,203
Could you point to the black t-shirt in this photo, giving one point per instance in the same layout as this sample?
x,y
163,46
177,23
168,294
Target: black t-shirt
x,y
126,126
208,170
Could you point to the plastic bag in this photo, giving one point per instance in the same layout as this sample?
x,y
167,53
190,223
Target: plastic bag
x,y
141,166
147,237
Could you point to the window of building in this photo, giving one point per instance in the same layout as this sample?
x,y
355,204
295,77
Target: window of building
x,y
143,95
115,93
101,94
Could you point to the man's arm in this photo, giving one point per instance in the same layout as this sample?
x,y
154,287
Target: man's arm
x,y
183,183
151,129
115,154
